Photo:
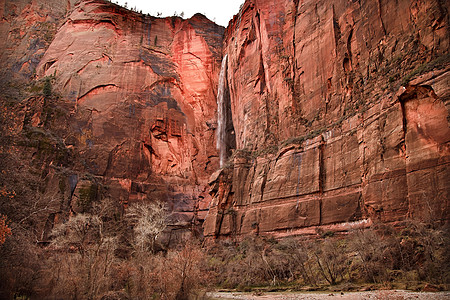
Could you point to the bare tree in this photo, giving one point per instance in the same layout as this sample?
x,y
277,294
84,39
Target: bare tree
x,y
182,272
331,259
370,250
149,221
87,271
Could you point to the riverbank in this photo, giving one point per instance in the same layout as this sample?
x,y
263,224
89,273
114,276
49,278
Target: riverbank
x,y
375,295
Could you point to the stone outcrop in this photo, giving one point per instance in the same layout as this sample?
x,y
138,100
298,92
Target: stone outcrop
x,y
334,126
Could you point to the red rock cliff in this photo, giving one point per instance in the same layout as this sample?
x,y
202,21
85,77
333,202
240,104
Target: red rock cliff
x,y
143,93
341,116
338,111
135,108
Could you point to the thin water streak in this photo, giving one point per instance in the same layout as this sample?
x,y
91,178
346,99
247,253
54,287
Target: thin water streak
x,y
222,112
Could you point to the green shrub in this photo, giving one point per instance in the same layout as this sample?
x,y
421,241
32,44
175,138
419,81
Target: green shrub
x,y
47,90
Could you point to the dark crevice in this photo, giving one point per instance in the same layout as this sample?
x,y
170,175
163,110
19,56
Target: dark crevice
x,y
150,149
94,60
156,51
263,184
337,32
48,65
349,43
95,88
402,105
294,60
94,22
346,65
321,176
379,15
226,134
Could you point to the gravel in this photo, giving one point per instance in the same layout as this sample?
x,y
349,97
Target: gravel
x,y
375,295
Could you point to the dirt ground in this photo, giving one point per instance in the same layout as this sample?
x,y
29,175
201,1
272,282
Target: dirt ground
x,y
375,295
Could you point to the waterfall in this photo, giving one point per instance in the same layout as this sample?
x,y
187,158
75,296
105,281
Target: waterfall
x,y
222,98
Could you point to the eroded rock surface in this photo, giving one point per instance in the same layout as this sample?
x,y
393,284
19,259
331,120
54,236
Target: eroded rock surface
x,y
134,105
143,93
27,28
334,127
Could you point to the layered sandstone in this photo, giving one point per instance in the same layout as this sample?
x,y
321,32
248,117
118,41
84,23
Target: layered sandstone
x,y
334,127
143,94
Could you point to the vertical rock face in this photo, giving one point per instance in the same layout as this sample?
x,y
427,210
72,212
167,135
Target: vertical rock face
x,y
143,95
341,115
137,96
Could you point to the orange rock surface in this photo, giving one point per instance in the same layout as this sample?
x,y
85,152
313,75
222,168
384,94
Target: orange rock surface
x,y
139,101
332,130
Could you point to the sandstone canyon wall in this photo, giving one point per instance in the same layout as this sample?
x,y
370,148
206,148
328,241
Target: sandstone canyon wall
x,y
133,107
341,115
145,91
333,113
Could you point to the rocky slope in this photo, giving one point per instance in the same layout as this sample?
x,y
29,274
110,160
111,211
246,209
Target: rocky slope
x,y
334,126
27,28
132,108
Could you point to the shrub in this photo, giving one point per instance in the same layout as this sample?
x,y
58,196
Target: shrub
x,y
83,263
21,265
299,253
47,90
5,231
182,272
332,259
370,252
416,252
179,274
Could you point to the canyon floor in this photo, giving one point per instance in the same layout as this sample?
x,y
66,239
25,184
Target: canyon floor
x,y
379,295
